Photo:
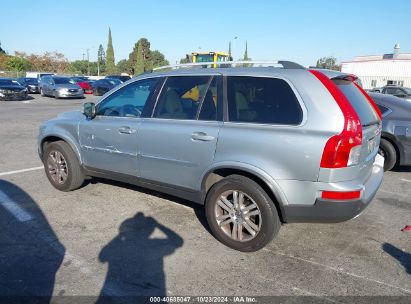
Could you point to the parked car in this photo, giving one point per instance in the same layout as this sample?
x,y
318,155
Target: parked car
x,y
102,86
31,84
11,90
258,146
395,143
397,91
122,78
84,83
59,87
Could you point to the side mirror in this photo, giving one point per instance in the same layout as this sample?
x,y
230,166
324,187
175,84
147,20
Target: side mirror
x,y
89,109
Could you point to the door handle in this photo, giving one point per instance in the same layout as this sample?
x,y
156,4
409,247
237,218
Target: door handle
x,y
201,136
126,130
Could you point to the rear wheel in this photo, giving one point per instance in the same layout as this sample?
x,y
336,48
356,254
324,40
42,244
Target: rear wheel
x,y
388,151
62,166
240,214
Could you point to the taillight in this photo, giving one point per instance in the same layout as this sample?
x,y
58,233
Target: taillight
x,y
341,195
372,103
344,149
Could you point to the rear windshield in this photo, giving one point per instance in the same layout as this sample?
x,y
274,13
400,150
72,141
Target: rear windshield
x,y
61,80
359,102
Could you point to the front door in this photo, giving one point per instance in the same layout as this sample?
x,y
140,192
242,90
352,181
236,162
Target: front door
x,y
179,141
110,141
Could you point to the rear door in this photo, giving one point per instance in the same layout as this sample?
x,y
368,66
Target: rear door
x,y
179,141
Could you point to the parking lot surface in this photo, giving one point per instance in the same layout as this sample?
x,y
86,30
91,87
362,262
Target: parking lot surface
x,y
110,238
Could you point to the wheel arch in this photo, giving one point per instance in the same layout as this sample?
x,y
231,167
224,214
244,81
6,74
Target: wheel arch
x,y
268,184
58,137
393,141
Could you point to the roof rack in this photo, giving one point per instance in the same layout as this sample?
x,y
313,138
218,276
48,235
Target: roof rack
x,y
284,64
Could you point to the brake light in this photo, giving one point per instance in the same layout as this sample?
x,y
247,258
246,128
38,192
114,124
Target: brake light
x,y
372,103
341,195
341,150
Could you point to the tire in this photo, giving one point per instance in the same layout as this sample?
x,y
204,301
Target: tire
x,y
56,96
390,154
267,222
74,175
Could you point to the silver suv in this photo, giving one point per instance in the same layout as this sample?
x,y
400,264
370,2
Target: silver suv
x,y
258,146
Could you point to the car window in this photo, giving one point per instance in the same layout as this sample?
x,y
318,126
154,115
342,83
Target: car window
x,y
181,97
384,110
359,102
129,101
262,100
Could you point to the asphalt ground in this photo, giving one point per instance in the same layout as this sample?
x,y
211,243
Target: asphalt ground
x,y
113,239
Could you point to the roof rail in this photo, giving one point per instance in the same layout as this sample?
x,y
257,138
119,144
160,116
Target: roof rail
x,y
284,64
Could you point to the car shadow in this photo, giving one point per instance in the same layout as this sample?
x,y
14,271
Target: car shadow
x,y
401,256
401,169
135,259
199,210
30,252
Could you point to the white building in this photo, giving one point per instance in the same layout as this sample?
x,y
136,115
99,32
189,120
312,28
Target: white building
x,y
380,70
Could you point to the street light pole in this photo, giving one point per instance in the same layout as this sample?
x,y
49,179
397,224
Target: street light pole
x,y
232,46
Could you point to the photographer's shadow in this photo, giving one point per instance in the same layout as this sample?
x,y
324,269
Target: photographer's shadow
x,y
135,259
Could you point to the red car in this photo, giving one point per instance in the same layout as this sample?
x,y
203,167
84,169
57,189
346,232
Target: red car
x,y
84,83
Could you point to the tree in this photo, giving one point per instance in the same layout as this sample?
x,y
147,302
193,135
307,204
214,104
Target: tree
x,y
1,50
140,59
123,66
47,62
110,62
329,63
246,58
101,59
158,59
185,59
15,63
78,67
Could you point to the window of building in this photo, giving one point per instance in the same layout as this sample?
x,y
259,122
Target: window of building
x,y
373,83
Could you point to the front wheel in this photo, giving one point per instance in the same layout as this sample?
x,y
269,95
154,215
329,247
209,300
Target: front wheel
x,y
240,214
62,166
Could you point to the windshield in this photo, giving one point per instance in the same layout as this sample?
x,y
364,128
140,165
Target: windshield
x,y
6,82
31,80
359,102
205,58
114,81
408,90
61,80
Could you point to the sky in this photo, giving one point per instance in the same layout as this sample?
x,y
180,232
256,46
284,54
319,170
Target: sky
x,y
296,30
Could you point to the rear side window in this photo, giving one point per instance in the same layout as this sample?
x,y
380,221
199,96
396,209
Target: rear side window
x,y
262,100
358,101
384,110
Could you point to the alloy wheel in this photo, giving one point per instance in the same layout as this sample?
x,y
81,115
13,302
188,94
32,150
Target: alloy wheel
x,y
238,216
57,167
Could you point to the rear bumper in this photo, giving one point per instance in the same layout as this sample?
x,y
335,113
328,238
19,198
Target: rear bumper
x,y
327,211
